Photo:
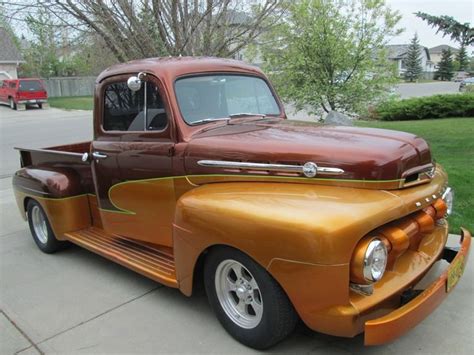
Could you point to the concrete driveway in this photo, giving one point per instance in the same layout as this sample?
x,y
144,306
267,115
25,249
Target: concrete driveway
x,y
77,302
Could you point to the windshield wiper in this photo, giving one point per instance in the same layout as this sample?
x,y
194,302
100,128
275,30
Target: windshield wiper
x,y
246,114
205,120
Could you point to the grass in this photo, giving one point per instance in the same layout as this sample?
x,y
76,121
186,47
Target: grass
x,y
452,145
72,103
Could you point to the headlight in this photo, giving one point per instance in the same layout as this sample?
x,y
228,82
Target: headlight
x,y
369,261
448,197
375,260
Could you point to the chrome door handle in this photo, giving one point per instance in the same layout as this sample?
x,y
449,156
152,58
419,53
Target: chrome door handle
x,y
98,155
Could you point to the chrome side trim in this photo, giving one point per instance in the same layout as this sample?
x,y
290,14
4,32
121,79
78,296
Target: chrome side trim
x,y
270,167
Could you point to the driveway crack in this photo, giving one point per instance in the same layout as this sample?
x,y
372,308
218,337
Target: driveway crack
x,y
101,314
33,344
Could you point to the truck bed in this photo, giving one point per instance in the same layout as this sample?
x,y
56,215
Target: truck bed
x,y
68,152
63,158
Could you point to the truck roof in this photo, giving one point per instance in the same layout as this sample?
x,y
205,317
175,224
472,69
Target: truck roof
x,y
178,66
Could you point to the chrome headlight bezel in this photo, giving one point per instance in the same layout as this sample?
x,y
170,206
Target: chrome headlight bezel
x,y
375,260
448,198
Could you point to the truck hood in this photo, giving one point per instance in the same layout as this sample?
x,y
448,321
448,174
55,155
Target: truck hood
x,y
364,154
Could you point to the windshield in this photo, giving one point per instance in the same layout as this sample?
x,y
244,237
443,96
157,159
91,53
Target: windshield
x,y
30,85
210,97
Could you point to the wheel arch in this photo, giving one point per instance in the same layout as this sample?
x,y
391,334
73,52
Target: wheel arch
x,y
198,269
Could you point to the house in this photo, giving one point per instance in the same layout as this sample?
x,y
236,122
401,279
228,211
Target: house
x,y
10,56
436,52
398,52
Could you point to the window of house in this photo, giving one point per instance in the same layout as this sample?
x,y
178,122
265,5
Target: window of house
x,y
124,109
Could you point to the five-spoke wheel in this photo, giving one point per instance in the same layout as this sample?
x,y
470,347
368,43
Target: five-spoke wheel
x,y
41,229
248,302
239,294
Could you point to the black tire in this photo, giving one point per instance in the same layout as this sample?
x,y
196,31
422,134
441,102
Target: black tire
x,y
278,318
12,104
40,106
47,243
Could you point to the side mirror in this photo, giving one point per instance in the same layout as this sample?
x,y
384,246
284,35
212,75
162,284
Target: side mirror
x,y
134,83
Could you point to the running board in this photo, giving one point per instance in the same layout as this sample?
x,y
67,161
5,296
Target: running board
x,y
156,263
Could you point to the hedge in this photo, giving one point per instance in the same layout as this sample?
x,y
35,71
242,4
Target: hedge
x,y
436,106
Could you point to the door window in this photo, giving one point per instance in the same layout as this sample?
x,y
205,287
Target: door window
x,y
124,109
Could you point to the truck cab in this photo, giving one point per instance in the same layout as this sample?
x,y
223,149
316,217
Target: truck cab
x,y
194,174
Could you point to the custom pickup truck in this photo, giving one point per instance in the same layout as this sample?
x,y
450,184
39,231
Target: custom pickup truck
x,y
194,175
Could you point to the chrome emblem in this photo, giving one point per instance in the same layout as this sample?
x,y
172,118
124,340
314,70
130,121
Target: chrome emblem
x,y
310,169
431,173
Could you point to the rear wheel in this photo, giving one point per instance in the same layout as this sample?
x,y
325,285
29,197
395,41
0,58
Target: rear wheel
x,y
41,229
12,104
40,105
248,302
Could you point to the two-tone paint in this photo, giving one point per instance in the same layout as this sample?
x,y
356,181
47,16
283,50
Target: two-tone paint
x,y
152,189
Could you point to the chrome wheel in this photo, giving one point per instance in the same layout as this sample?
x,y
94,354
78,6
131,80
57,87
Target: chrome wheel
x,y
239,294
39,224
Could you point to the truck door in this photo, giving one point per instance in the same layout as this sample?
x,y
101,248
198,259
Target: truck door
x,y
133,160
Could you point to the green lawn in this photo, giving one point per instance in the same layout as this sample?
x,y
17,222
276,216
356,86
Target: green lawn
x,y
72,103
452,144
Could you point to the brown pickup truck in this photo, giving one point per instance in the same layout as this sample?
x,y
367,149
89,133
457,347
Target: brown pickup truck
x,y
194,175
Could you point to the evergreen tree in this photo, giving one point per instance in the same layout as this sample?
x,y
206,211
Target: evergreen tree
x,y
462,59
445,67
413,60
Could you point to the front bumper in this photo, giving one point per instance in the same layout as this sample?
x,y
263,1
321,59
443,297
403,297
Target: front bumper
x,y
391,326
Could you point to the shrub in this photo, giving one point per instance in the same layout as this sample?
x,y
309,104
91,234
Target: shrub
x,y
437,106
469,88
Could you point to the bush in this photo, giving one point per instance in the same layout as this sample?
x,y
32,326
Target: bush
x,y
437,106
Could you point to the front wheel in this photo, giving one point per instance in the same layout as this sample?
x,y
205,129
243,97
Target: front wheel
x,y
41,229
248,302
12,104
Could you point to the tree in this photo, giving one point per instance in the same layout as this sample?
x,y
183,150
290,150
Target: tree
x,y
147,28
462,59
331,55
445,67
462,33
41,53
413,60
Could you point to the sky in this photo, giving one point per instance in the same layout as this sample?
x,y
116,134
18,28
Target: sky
x,y
461,10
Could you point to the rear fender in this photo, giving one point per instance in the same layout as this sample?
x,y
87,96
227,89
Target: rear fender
x,y
59,192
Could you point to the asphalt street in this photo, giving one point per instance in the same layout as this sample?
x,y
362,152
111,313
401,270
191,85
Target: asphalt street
x,y
77,302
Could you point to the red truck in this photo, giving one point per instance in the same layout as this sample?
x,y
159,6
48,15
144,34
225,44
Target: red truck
x,y
21,92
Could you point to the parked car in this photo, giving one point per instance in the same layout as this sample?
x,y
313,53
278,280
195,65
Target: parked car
x,y
22,92
460,76
466,83
195,175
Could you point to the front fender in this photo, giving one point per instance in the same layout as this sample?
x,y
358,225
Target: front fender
x,y
302,223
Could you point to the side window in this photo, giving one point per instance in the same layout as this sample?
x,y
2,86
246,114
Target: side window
x,y
124,109
13,85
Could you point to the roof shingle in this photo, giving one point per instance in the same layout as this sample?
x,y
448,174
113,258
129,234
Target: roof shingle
x,y
9,53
